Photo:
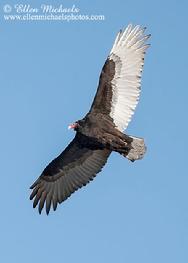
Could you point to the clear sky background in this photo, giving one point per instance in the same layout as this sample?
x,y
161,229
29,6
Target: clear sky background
x,y
132,212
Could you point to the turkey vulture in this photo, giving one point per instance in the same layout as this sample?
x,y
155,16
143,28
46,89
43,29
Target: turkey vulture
x,y
101,131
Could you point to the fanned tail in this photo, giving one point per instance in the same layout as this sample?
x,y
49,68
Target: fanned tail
x,y
137,150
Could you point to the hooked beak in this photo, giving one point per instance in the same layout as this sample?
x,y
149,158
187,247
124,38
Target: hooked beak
x,y
72,126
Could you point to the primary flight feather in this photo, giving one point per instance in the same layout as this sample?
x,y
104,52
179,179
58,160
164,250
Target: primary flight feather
x,y
101,131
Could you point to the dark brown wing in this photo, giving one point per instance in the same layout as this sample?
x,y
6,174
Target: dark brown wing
x,y
72,169
103,97
120,80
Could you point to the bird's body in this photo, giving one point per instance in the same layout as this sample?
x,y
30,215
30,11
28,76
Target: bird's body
x,y
101,131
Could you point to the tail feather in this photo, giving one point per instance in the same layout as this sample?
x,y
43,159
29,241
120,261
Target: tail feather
x,y
137,150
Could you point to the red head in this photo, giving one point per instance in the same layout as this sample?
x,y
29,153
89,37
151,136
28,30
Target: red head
x,y
73,126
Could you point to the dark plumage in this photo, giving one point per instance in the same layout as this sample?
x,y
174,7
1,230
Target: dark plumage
x,y
101,131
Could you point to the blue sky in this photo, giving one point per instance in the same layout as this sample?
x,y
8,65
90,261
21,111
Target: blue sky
x,y
132,212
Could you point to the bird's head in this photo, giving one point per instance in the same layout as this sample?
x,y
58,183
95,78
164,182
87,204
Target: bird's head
x,y
74,126
78,126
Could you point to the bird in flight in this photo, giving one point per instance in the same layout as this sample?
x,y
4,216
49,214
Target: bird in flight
x,y
101,131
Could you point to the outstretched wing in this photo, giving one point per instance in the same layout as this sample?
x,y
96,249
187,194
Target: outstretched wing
x,y
120,80
72,169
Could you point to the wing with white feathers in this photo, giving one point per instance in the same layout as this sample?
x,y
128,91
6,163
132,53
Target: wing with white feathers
x,y
120,79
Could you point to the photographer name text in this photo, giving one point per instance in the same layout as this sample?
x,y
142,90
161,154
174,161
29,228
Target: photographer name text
x,y
27,8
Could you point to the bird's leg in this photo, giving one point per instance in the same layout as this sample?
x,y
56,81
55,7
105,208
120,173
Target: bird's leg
x,y
116,143
120,135
124,137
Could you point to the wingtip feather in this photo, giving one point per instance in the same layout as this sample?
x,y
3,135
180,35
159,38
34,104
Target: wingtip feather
x,y
130,36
